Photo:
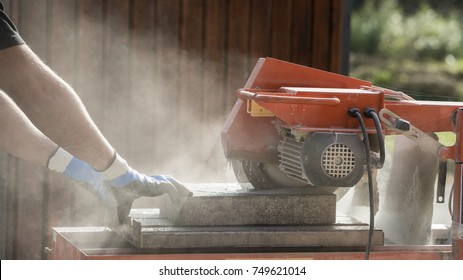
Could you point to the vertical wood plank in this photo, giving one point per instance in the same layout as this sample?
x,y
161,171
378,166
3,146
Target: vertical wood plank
x,y
116,72
237,48
191,96
336,36
321,38
62,38
12,209
191,60
166,109
3,204
31,188
301,32
214,59
14,11
212,162
281,29
89,56
261,32
143,125
30,214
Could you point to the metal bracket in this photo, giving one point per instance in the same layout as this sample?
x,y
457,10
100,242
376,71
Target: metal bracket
x,y
398,124
426,142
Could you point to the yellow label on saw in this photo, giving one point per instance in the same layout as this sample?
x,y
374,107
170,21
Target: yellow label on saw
x,y
258,111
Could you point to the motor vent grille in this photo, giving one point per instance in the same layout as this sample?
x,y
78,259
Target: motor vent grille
x,y
290,158
338,161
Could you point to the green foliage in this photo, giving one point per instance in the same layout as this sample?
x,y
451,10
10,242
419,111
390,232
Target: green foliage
x,y
426,35
383,29
419,52
368,24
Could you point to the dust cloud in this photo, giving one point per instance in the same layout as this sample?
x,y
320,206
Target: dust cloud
x,y
406,190
161,106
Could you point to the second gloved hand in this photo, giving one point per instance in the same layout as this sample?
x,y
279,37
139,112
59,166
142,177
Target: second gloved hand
x,y
128,184
139,184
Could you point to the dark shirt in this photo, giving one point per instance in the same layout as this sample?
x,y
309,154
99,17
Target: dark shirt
x,y
9,35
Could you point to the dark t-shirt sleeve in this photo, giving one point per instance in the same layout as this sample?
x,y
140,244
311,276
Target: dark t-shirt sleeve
x,y
9,35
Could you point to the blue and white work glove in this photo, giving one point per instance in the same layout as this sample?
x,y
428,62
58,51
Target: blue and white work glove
x,y
127,185
81,173
118,180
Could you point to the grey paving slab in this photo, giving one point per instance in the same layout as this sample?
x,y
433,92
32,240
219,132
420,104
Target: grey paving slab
x,y
154,232
226,216
228,204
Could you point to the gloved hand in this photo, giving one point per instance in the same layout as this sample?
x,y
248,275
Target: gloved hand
x,y
132,185
118,181
85,176
80,173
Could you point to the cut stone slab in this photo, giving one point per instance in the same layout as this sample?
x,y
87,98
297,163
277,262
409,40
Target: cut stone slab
x,y
230,205
150,231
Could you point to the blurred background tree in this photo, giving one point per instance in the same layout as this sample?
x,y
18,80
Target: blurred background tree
x,y
412,45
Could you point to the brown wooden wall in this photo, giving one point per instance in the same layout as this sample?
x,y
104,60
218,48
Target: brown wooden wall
x,y
158,77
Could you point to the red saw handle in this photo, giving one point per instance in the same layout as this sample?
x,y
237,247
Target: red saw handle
x,y
272,98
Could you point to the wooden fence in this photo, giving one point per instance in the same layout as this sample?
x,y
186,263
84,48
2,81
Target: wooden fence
x,y
158,77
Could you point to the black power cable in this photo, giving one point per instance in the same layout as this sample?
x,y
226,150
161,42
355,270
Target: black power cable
x,y
354,112
371,113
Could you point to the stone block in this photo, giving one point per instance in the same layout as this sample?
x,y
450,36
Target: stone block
x,y
230,205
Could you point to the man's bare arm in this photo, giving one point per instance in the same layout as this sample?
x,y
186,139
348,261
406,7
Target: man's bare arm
x,y
57,112
52,106
20,137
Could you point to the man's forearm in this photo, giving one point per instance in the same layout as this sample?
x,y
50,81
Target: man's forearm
x,y
52,105
20,137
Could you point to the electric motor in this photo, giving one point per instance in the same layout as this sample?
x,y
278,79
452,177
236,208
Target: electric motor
x,y
324,159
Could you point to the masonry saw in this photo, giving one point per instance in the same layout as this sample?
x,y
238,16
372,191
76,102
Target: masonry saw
x,y
296,126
